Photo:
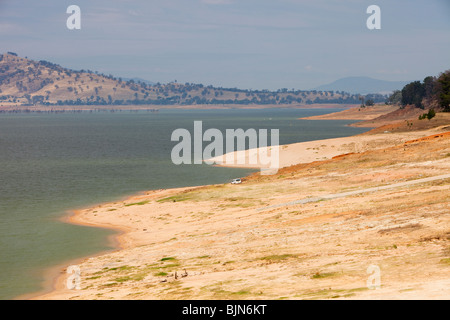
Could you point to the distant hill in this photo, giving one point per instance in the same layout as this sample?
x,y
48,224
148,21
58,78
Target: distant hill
x,y
25,82
363,85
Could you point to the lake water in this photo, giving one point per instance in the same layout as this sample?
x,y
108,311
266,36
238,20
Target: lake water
x,y
53,163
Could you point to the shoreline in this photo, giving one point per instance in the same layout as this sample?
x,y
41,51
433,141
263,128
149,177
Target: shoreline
x,y
356,113
131,108
123,235
55,276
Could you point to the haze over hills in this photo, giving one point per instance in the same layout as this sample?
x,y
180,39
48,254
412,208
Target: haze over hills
x,y
363,85
25,82
136,79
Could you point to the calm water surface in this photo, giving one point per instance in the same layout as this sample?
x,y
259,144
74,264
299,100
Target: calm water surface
x,y
53,163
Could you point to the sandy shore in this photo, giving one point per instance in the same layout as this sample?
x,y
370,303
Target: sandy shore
x,y
356,113
318,150
216,242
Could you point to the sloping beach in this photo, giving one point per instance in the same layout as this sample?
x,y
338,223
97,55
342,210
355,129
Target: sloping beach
x,y
253,241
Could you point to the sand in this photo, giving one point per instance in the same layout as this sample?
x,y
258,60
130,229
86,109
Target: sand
x,y
243,241
306,152
357,113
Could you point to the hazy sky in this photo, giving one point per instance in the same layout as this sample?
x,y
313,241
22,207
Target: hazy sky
x,y
258,44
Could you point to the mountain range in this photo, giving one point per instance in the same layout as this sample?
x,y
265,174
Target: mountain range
x,y
26,82
363,85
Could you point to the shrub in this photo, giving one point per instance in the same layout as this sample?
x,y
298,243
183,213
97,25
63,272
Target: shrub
x,y
429,115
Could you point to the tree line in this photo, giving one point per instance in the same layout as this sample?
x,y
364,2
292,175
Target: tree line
x,y
431,93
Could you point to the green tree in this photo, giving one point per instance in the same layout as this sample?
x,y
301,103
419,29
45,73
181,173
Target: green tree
x,y
444,90
429,85
362,98
395,97
413,93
